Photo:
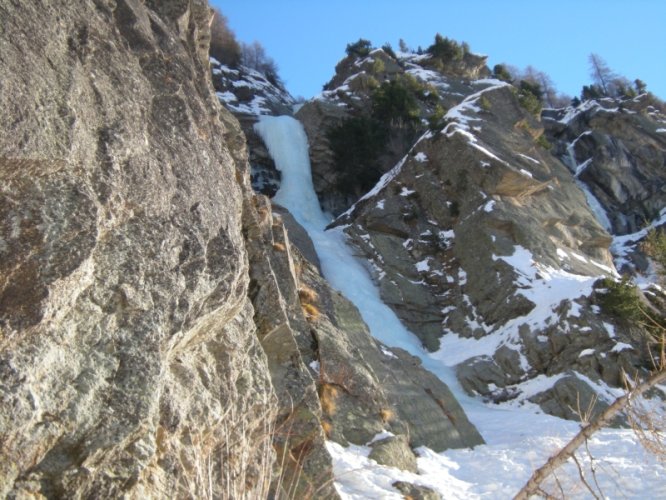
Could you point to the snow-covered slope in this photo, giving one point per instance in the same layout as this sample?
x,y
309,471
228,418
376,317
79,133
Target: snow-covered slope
x,y
245,91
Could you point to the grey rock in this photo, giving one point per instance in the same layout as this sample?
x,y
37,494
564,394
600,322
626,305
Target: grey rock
x,y
436,232
284,334
247,92
394,451
570,398
298,236
625,157
415,491
128,354
318,116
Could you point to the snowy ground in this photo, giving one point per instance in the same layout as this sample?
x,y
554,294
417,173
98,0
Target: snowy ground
x,y
519,438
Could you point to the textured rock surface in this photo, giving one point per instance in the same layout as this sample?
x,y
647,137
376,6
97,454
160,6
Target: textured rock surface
x,y
129,362
621,155
284,334
416,492
395,452
349,95
446,232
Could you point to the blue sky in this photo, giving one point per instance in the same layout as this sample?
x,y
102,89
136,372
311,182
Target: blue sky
x,y
308,37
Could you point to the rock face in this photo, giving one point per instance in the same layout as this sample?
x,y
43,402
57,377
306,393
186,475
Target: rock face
x,y
394,452
480,237
349,95
617,150
247,93
330,375
366,388
129,363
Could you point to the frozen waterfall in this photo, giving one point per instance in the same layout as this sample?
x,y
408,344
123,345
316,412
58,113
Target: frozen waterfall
x,y
287,143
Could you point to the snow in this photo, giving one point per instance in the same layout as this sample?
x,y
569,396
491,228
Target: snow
x,y
572,113
661,130
524,440
423,266
245,77
388,353
592,201
519,437
529,158
597,207
460,118
623,245
421,157
621,346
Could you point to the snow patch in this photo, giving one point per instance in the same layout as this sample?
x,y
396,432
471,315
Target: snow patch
x,y
421,157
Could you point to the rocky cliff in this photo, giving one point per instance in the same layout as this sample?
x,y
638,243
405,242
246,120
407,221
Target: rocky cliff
x,y
488,237
160,335
129,360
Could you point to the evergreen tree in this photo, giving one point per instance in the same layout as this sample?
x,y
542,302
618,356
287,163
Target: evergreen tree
x,y
403,46
640,85
360,48
446,49
501,72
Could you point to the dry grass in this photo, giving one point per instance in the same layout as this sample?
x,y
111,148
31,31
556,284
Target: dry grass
x,y
279,247
386,414
328,395
311,312
307,295
327,427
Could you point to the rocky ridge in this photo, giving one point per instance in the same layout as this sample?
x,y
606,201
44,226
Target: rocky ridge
x,y
488,236
349,95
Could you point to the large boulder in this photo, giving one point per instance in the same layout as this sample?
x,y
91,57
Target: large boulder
x,y
394,451
129,364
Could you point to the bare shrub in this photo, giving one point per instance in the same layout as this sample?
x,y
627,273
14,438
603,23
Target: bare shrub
x,y
223,44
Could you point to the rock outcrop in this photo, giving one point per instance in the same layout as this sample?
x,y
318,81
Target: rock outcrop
x,y
479,233
128,356
618,150
248,93
350,95
330,375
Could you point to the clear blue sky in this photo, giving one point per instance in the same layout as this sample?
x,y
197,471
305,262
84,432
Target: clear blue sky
x,y
307,38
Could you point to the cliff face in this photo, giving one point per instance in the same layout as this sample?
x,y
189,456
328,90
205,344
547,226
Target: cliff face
x,y
128,357
618,150
488,235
